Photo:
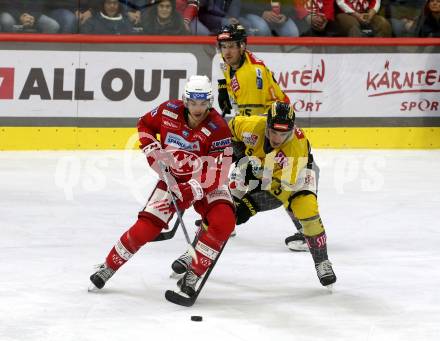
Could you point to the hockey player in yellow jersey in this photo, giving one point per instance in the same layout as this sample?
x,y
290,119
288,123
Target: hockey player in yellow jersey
x,y
276,168
251,88
248,84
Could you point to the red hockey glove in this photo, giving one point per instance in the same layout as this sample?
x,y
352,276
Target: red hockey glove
x,y
187,193
154,154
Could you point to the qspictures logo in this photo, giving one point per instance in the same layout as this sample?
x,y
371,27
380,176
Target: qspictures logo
x,y
6,83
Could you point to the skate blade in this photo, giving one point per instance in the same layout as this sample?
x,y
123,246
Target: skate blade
x,y
329,288
175,275
297,247
92,288
298,250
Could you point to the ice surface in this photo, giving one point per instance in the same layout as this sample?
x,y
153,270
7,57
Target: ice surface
x,y
61,212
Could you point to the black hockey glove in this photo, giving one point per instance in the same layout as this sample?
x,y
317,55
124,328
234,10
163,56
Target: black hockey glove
x,y
223,98
245,208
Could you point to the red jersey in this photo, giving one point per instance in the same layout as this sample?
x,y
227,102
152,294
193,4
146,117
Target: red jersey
x,y
361,6
306,7
202,152
188,9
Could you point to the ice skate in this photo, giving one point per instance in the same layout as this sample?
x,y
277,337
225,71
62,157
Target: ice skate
x,y
181,264
297,243
187,284
325,274
100,277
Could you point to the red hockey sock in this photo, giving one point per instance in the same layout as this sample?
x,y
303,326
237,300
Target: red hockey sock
x,y
221,222
131,241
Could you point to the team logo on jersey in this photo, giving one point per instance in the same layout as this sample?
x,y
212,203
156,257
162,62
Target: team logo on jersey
x,y
281,159
205,131
178,141
170,114
185,133
221,143
184,162
172,105
259,79
250,139
171,124
234,84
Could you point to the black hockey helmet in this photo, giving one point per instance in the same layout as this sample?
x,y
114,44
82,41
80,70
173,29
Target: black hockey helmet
x,y
234,32
281,116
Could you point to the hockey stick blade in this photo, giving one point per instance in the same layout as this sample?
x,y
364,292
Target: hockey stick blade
x,y
176,298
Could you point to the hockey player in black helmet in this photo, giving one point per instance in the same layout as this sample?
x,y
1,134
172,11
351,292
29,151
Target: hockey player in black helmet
x,y
234,32
250,88
274,143
247,84
280,124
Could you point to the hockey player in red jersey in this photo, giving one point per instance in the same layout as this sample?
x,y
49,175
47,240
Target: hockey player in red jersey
x,y
195,148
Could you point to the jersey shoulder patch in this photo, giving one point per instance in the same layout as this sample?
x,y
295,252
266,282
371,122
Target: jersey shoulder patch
x,y
171,109
299,133
254,60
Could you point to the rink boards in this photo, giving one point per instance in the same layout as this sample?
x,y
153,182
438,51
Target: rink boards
x,y
71,138
89,96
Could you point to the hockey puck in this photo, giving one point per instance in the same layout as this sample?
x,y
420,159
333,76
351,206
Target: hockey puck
x,y
196,318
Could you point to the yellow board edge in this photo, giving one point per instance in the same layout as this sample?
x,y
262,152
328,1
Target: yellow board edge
x,y
74,138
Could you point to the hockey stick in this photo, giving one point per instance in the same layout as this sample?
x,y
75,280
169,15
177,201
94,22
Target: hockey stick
x,y
191,249
168,234
185,301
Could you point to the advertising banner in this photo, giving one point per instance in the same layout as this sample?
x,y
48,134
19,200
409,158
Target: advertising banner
x,y
356,85
126,84
90,84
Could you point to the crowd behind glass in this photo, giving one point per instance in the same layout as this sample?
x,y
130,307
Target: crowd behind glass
x,y
288,18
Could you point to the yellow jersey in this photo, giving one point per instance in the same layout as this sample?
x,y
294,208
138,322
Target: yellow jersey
x,y
279,167
252,86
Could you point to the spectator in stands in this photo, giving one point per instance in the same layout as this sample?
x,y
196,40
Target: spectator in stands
x,y
360,18
163,19
2,9
404,15
189,10
429,23
131,8
315,17
27,16
109,20
63,11
275,18
86,10
134,10
215,14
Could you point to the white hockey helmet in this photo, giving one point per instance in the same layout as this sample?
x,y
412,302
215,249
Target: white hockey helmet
x,y
198,88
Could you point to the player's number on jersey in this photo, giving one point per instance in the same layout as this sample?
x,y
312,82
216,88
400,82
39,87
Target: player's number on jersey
x,y
249,152
246,112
